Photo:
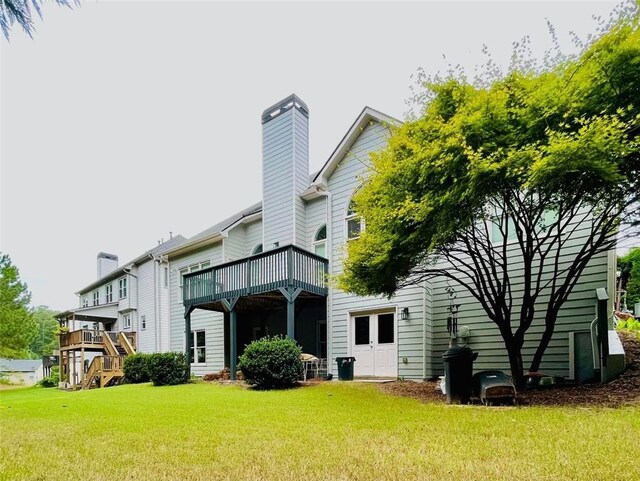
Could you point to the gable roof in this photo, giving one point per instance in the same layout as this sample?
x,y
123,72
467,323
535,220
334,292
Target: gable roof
x,y
366,116
150,254
216,231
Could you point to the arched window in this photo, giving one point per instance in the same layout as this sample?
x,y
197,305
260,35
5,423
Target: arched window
x,y
320,241
257,249
355,223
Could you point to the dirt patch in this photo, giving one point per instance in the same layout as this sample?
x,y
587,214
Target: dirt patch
x,y
623,391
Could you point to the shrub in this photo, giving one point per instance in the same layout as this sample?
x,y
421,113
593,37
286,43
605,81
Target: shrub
x,y
629,324
168,368
271,363
52,379
136,368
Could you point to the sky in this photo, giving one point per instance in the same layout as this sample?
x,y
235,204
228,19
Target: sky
x,y
121,122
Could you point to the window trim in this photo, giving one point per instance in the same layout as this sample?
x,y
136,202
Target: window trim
x,y
123,286
84,301
126,321
96,297
349,217
108,293
320,242
143,323
187,269
195,347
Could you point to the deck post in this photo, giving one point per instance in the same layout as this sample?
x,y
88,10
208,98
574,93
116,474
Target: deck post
x,y
74,377
233,343
187,333
82,366
291,294
230,305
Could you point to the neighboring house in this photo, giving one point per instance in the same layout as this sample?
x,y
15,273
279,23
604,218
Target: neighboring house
x,y
26,372
125,310
262,272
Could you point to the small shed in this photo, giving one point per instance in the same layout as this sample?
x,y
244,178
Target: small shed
x,y
24,372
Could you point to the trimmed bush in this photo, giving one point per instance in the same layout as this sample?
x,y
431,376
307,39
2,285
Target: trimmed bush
x,y
52,380
168,368
136,368
272,363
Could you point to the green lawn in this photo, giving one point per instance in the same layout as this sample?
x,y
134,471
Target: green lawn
x,y
330,431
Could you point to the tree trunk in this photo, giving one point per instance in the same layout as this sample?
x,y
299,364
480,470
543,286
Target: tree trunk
x,y
542,347
515,361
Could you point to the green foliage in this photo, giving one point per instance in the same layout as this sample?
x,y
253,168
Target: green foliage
x,y
168,368
570,132
630,324
629,266
45,341
53,379
17,325
271,363
507,151
136,368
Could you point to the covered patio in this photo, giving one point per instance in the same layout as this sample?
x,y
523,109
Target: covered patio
x,y
281,291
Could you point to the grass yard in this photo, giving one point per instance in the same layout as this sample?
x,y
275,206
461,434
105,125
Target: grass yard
x,y
331,431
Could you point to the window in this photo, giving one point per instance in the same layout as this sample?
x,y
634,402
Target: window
x,y
192,268
257,249
122,288
85,301
126,321
497,237
355,223
198,347
362,330
143,322
96,298
320,242
109,293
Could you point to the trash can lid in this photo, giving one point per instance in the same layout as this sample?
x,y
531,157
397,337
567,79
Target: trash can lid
x,y
345,359
457,351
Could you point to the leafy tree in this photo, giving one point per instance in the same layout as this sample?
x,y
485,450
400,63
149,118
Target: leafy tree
x,y
493,179
17,326
20,11
45,341
629,266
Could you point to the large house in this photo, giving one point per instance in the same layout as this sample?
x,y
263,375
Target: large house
x,y
264,271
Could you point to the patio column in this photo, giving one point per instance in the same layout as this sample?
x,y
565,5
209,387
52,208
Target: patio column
x,y
230,305
187,332
290,294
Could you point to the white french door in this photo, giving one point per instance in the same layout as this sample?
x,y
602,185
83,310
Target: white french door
x,y
374,344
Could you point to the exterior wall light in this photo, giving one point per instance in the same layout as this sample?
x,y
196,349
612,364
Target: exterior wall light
x,y
404,314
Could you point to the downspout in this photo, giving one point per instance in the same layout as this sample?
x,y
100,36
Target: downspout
x,y
424,331
329,224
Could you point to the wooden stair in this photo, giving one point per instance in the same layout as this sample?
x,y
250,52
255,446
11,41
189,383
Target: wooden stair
x,y
108,370
104,371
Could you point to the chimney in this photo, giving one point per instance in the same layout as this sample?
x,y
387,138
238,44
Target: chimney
x,y
106,263
285,171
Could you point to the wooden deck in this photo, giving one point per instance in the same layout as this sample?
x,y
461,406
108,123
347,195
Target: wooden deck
x,y
104,370
91,339
284,267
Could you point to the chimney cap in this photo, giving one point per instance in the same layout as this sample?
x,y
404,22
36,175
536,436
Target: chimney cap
x,y
104,255
285,104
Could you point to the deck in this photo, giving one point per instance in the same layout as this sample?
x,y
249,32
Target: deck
x,y
283,267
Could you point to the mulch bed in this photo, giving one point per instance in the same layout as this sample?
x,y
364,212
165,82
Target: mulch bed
x,y
622,391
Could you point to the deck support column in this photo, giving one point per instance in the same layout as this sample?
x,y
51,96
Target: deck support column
x,y
290,294
230,305
82,366
187,333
